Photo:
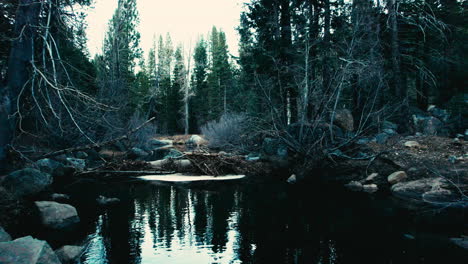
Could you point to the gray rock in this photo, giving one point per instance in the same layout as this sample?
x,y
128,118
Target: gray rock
x,y
79,164
165,153
363,141
460,242
137,153
27,250
429,125
57,215
396,177
69,254
81,155
370,188
292,179
389,125
409,236
4,236
371,177
389,131
48,165
440,195
344,119
105,201
59,197
416,189
441,114
195,140
354,186
412,144
27,182
159,142
381,138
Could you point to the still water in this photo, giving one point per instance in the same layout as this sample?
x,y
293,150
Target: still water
x,y
263,223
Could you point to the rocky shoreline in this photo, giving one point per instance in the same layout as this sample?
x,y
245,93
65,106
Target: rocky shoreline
x,y
422,170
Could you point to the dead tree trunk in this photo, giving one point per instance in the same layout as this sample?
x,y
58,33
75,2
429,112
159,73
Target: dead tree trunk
x,y
18,75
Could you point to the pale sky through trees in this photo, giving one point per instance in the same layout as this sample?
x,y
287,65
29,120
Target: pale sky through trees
x,y
185,20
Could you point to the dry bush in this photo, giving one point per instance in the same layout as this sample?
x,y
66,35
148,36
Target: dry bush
x,y
228,133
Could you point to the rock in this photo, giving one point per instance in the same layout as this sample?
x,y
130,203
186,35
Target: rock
x,y
69,254
81,155
370,188
153,144
427,189
466,135
461,242
27,250
4,236
292,179
441,114
137,153
354,186
381,138
48,165
27,182
389,131
363,141
195,140
409,237
389,125
58,197
429,125
371,177
344,119
412,144
396,177
78,164
105,201
57,215
165,153
439,195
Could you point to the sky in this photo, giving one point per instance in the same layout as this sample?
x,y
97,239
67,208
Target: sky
x,y
185,20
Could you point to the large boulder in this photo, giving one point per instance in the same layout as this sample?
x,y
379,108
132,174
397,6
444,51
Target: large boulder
x,y
344,119
27,182
440,114
78,164
57,216
137,153
195,140
4,236
69,254
165,153
48,165
27,250
430,190
429,125
396,177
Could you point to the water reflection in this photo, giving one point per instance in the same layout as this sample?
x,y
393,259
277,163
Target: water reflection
x,y
165,224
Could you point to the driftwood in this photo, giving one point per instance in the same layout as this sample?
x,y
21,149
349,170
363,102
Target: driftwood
x,y
95,145
123,173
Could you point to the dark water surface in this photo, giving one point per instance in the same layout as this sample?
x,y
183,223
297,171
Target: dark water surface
x,y
265,223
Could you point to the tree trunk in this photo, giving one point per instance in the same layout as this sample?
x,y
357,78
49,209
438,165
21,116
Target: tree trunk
x,y
398,87
18,75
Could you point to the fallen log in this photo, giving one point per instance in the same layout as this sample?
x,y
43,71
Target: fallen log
x,y
95,145
182,165
181,178
124,173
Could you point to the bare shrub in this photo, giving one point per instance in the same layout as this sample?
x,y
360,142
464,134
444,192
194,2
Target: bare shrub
x,y
227,133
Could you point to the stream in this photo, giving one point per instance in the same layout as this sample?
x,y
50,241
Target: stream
x,y
262,223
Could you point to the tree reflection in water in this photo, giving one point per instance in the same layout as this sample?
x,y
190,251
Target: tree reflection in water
x,y
250,224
